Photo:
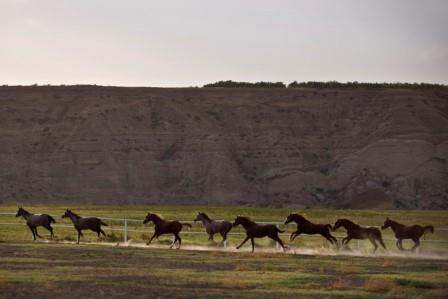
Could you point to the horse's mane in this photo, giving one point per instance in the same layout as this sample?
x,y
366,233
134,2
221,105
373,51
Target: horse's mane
x,y
25,211
74,214
205,216
347,221
300,217
157,216
247,219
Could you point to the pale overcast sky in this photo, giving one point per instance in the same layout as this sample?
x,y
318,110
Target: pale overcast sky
x,y
189,43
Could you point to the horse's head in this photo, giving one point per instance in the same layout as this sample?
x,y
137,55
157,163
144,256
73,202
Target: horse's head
x,y
387,223
289,218
199,217
338,224
238,220
66,214
20,212
148,218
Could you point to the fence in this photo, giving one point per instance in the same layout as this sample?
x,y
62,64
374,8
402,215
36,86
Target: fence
x,y
124,228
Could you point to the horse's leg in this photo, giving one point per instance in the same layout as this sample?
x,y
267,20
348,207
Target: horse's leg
x,y
277,238
79,235
374,244
328,237
32,232
398,244
224,237
347,239
37,234
297,233
291,238
253,244
153,236
210,237
180,241
245,240
174,240
49,228
417,244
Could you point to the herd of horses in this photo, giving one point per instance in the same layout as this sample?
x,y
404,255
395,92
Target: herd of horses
x,y
253,229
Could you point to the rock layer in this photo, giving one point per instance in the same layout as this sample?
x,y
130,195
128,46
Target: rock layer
x,y
349,148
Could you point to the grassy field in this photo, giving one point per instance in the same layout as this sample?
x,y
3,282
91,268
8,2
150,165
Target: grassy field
x,y
140,233
37,270
41,269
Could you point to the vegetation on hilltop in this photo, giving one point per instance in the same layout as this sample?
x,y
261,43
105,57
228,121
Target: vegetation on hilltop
x,y
328,84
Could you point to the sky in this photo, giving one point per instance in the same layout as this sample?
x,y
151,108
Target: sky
x,y
193,42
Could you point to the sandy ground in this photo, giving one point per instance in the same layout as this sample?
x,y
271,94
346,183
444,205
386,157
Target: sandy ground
x,y
344,251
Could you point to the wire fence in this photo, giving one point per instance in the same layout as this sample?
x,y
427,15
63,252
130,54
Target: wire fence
x,y
131,225
127,223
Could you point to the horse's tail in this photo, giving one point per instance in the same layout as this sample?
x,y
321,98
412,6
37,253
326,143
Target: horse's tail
x,y
380,239
102,223
428,228
279,230
187,224
51,219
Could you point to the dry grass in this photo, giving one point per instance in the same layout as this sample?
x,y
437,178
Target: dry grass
x,y
341,284
378,285
390,264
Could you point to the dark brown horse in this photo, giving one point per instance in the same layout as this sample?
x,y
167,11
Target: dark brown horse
x,y
354,231
162,227
212,227
80,223
414,232
254,230
33,221
306,227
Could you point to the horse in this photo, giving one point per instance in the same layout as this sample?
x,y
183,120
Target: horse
x,y
254,230
306,227
414,232
354,231
33,221
212,227
162,226
80,223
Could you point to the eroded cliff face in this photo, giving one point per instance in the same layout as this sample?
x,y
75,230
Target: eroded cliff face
x,y
355,148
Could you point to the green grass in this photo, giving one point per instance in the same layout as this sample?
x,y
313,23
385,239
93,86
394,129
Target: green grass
x,y
69,271
188,213
45,270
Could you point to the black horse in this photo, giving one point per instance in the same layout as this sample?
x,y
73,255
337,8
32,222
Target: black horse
x,y
306,227
33,221
212,227
254,230
162,226
414,232
355,231
80,223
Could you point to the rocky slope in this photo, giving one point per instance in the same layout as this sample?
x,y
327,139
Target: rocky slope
x,y
358,148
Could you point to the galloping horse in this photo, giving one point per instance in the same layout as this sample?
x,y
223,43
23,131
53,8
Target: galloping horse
x,y
254,230
165,227
354,231
92,223
414,232
306,227
212,227
33,221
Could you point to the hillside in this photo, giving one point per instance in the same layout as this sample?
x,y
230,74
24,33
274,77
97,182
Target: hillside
x,y
357,148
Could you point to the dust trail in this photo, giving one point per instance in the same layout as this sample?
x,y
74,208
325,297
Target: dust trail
x,y
291,250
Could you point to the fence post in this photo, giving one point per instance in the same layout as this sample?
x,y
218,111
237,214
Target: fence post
x,y
125,238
